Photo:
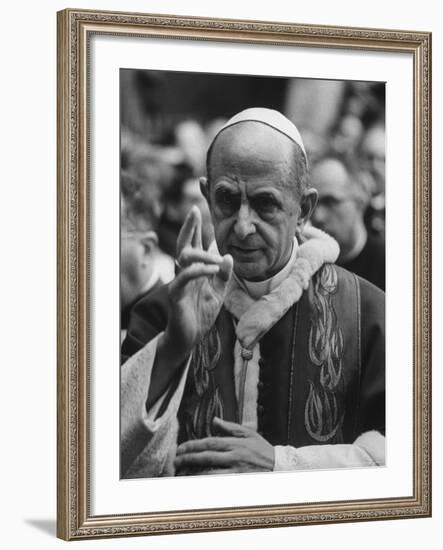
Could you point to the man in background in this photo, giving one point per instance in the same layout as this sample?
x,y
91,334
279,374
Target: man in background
x,y
372,152
144,267
340,212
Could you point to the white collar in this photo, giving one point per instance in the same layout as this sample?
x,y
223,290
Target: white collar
x,y
256,317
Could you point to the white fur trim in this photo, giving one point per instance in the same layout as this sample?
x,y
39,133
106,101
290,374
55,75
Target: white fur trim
x,y
255,318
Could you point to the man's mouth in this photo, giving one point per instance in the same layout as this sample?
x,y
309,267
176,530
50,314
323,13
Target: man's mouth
x,y
244,251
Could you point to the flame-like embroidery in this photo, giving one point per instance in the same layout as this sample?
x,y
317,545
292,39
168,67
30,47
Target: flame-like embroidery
x,y
205,359
206,409
322,419
208,404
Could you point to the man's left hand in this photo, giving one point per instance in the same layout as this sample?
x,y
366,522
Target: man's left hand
x,y
240,449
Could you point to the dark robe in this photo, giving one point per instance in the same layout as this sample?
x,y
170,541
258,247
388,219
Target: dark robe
x,y
370,263
126,311
322,365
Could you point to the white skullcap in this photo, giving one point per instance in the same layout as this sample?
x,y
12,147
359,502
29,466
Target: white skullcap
x,y
271,118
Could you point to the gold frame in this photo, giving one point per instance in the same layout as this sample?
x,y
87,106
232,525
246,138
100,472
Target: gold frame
x,y
75,27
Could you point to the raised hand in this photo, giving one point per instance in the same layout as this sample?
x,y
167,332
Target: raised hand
x,y
195,298
197,293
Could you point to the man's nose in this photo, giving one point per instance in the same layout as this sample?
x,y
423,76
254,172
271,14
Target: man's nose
x,y
245,224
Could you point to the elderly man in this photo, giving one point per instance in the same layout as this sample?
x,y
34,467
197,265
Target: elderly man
x,y
143,266
261,355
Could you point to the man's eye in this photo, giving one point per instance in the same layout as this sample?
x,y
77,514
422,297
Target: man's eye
x,y
329,202
264,204
228,200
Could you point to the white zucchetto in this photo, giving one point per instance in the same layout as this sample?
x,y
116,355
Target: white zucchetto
x,y
271,118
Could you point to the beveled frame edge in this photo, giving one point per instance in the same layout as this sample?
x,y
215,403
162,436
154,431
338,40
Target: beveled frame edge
x,y
74,28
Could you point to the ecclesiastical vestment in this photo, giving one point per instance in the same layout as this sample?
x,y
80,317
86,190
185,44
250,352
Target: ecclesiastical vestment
x,y
303,365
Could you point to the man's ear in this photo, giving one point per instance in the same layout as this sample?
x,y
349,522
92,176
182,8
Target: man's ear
x,y
149,240
204,188
308,203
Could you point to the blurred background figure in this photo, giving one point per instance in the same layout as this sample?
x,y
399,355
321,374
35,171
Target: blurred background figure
x,y
191,140
144,267
168,119
347,135
372,154
182,193
342,202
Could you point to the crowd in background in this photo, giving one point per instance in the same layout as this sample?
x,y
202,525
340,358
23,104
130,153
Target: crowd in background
x,y
163,154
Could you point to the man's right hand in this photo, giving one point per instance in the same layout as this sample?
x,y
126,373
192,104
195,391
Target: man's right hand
x,y
197,293
195,298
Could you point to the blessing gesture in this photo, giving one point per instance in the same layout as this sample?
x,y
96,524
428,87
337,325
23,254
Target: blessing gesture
x,y
195,298
197,293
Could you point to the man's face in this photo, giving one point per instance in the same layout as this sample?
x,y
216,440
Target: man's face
x,y
132,276
253,199
337,211
373,156
136,258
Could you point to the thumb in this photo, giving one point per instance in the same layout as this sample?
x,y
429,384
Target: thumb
x,y
226,268
222,278
230,428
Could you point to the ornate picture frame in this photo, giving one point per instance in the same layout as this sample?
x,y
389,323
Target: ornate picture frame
x,y
75,518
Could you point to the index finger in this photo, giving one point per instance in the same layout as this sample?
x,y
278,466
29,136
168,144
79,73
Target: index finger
x,y
207,444
231,428
186,235
197,236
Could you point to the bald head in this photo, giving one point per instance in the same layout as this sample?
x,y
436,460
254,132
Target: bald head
x,y
258,147
330,172
331,176
341,202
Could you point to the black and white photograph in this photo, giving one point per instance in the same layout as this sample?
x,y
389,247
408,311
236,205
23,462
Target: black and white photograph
x,y
220,329
244,291
252,274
